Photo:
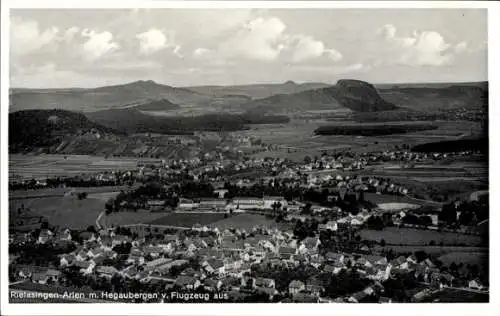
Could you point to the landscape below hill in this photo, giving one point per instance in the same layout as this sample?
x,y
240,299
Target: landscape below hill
x,y
76,116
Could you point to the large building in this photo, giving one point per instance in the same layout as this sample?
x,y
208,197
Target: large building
x,y
248,203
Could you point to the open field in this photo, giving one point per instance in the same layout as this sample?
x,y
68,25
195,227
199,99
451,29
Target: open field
x,y
187,219
103,196
53,192
458,296
396,207
374,129
74,213
41,166
247,222
433,250
296,139
414,237
477,258
385,198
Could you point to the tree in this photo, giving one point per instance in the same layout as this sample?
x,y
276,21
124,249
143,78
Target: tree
x,y
375,222
361,196
448,214
82,195
109,206
45,225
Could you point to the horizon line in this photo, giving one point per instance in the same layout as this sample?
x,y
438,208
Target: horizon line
x,y
249,84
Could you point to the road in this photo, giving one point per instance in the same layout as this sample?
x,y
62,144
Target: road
x,y
466,289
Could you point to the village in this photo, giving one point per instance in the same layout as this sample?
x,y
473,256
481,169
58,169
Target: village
x,y
321,259
291,231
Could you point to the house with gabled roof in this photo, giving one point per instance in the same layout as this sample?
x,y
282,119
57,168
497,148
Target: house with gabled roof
x,y
106,271
295,287
398,261
44,236
315,286
358,297
187,282
214,266
94,252
309,244
66,235
26,272
86,267
476,285
212,285
136,258
265,282
231,283
87,236
286,253
129,272
153,264
270,292
53,275
67,260
153,251
303,297
40,278
120,239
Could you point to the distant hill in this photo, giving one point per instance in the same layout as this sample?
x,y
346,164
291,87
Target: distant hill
x,y
258,91
288,97
157,105
131,120
117,96
437,95
44,128
361,96
352,94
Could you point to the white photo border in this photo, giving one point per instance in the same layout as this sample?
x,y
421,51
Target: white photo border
x,y
232,309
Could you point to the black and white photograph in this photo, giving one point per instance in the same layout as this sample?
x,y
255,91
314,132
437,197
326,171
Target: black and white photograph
x,y
230,152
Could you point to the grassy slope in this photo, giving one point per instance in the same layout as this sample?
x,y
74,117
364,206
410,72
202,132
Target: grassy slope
x,y
71,212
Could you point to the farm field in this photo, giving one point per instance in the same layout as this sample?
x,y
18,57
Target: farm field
x,y
74,213
296,139
413,237
51,192
385,198
31,166
247,221
472,258
458,296
103,196
433,250
187,219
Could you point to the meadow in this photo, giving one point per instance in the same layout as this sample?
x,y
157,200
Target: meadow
x,y
472,258
247,221
41,166
432,250
296,139
73,213
457,296
187,219
385,198
417,237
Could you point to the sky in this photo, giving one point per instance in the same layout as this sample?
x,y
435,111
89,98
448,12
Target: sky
x,y
56,48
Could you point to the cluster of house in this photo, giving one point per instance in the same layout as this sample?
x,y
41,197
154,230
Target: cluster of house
x,y
224,261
